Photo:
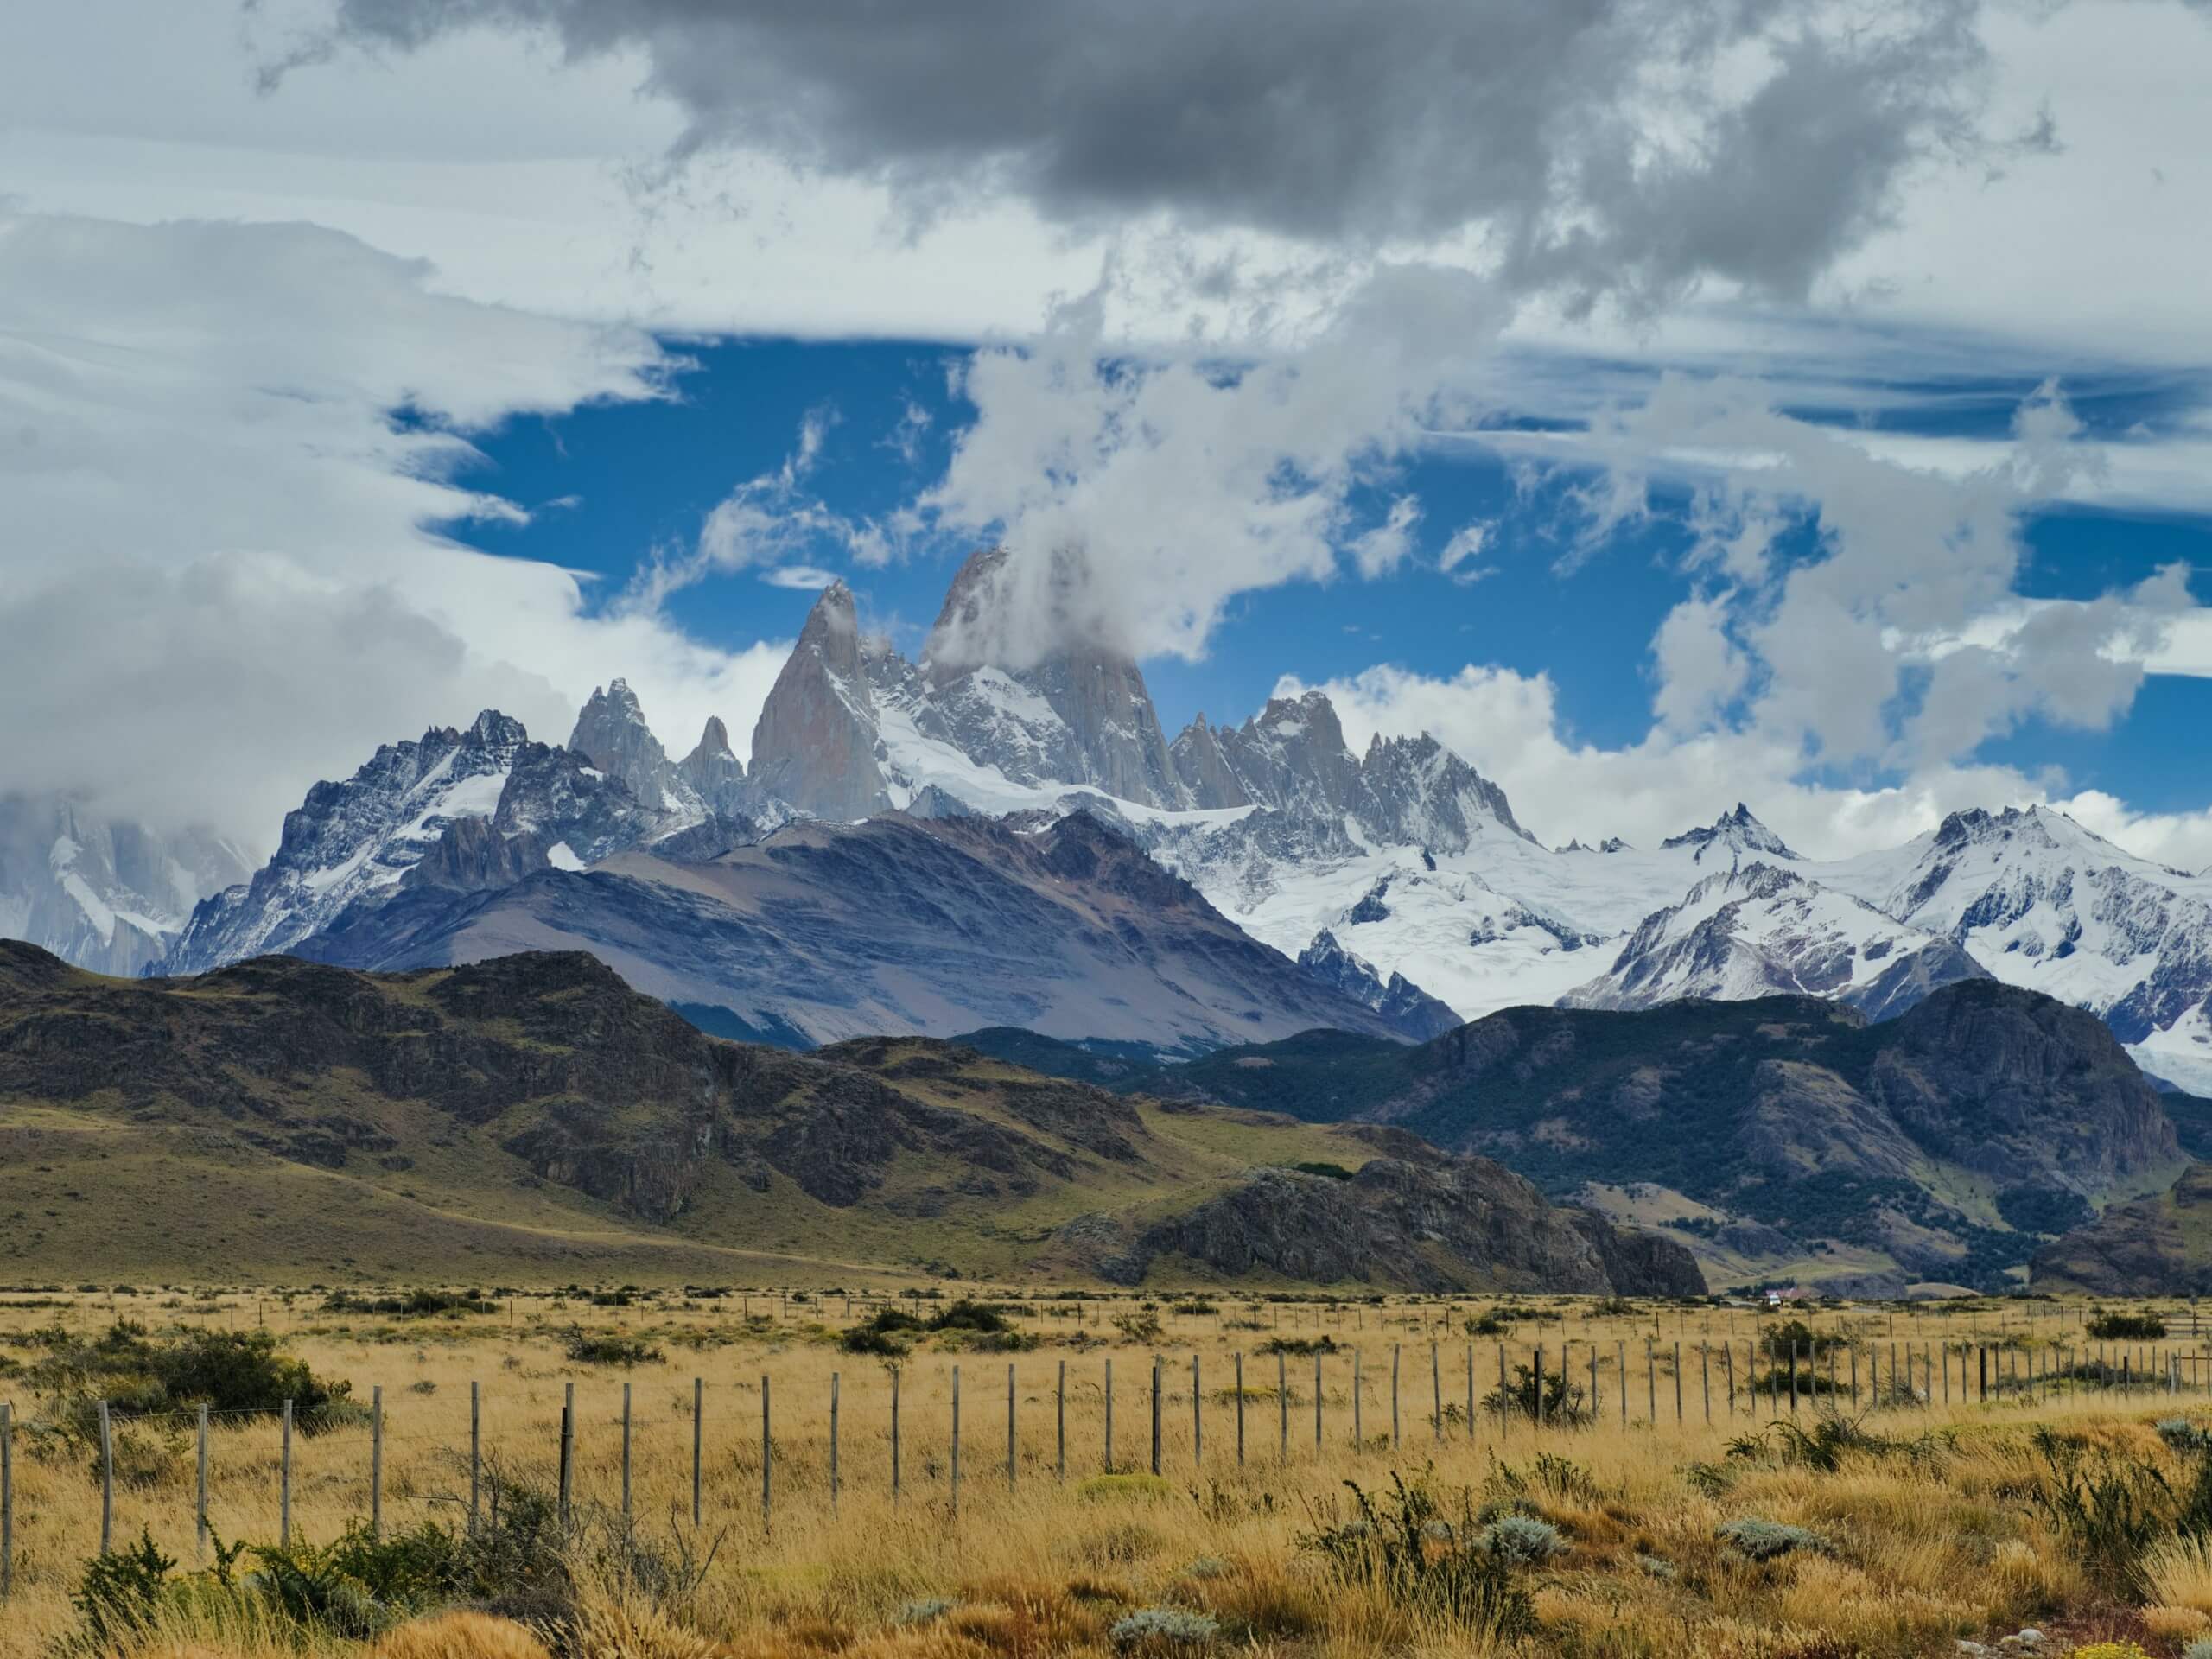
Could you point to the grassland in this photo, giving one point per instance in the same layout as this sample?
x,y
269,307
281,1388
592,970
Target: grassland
x,y
1931,1520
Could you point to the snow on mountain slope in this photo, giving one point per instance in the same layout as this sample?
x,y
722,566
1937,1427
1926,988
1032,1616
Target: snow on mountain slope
x,y
107,894
351,837
1758,929
2041,902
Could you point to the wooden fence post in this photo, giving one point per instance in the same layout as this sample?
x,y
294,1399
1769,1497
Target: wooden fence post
x,y
1436,1386
1678,1382
7,1500
894,1436
1317,1397
955,1439
1155,1413
1197,1419
1504,1396
200,1490
1240,1410
284,1483
1470,1390
1060,1426
568,1447
1394,1396
698,1447
1110,1414
1704,1377
475,1450
1009,1425
1650,1385
1620,1361
376,1460
767,1458
1357,1390
833,1441
626,1451
107,1481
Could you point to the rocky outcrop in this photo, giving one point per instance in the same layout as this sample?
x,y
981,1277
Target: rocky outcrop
x,y
612,734
1438,1224
814,745
2023,1090
1411,1011
2160,1245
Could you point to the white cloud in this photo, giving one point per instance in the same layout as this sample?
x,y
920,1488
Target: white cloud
x,y
1700,670
1507,726
1459,557
803,576
224,578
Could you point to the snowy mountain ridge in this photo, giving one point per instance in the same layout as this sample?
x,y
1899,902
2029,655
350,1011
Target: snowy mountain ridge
x,y
1398,872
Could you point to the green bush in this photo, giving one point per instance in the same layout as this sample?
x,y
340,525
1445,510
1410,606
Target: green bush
x,y
2109,1324
588,1349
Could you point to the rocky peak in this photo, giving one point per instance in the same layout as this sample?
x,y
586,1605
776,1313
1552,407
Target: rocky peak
x,y
815,744
1737,834
1416,1014
713,771
612,733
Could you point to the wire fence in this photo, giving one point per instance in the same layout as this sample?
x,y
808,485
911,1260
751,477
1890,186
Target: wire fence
x,y
934,1432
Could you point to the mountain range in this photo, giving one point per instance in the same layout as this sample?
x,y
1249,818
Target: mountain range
x,y
1394,881
1782,1136
532,1116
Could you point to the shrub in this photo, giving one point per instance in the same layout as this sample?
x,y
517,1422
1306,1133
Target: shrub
x,y
1162,1627
1324,1344
927,1610
1398,1550
1761,1540
591,1350
2110,1325
1551,1398
1520,1540
1326,1171
119,1593
228,1370
1138,1326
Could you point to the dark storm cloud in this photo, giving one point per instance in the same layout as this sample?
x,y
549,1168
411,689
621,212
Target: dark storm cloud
x,y
1627,146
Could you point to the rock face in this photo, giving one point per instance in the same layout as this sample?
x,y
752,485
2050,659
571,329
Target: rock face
x,y
107,894
814,745
1411,1010
824,932
1425,1224
612,734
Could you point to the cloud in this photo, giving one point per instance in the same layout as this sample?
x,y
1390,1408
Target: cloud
x,y
1700,670
1507,726
804,577
1139,496
225,578
1468,544
1615,145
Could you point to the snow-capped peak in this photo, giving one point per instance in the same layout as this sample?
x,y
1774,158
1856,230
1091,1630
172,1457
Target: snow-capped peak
x,y
1738,832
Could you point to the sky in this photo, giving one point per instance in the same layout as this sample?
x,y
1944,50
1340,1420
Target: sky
x,y
1666,403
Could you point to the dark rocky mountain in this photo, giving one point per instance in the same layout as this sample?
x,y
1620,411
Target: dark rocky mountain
x,y
1733,837
1784,1134
1411,1011
1442,1224
534,1108
823,931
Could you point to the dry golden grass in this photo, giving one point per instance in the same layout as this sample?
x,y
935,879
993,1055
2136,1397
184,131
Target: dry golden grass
x,y
1922,1552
